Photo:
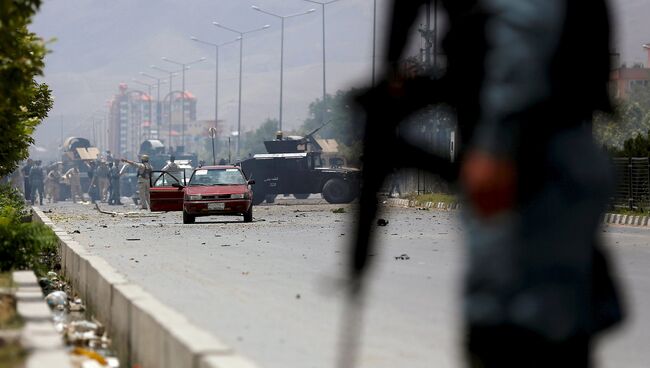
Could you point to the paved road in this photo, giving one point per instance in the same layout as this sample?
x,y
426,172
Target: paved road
x,y
269,288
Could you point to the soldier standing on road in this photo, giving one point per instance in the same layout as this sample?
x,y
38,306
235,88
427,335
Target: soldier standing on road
x,y
36,178
173,168
144,176
52,184
114,176
25,170
102,180
537,285
75,184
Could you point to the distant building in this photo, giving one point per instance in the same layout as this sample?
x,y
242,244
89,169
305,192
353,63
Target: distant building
x,y
133,119
623,79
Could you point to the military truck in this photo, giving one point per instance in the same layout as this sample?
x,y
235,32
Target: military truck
x,y
78,152
159,154
293,166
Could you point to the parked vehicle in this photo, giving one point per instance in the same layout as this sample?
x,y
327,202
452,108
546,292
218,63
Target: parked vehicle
x,y
294,166
211,190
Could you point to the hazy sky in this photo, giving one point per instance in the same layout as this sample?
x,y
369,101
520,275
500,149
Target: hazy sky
x,y
100,44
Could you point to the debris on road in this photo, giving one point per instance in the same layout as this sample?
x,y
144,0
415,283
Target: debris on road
x,y
125,214
339,210
382,222
92,347
132,239
403,257
57,300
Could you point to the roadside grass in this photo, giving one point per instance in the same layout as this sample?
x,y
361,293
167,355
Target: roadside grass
x,y
12,355
627,211
5,280
9,318
433,197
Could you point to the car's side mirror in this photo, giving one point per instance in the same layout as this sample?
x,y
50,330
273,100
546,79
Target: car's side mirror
x,y
251,182
177,185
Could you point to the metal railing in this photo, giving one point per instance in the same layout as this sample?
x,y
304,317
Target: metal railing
x,y
632,183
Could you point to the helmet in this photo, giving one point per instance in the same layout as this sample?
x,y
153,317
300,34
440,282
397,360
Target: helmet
x,y
144,158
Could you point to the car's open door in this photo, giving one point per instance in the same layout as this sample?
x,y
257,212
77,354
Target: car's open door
x,y
166,191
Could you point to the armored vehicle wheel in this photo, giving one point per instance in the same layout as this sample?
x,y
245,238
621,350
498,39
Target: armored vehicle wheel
x,y
258,197
337,191
270,198
301,196
188,219
248,216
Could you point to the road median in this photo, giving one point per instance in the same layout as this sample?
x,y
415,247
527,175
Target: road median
x,y
145,331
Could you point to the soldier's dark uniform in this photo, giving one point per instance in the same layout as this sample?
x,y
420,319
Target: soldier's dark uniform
x,y
537,286
36,177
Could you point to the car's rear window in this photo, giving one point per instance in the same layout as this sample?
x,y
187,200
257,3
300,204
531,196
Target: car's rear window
x,y
204,177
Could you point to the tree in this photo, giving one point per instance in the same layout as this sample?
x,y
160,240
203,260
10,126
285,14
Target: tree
x,y
631,117
24,103
342,126
253,141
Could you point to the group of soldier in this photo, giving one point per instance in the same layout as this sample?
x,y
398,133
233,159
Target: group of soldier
x,y
39,183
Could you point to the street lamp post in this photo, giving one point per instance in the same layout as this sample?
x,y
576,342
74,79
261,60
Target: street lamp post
x,y
159,81
171,77
184,66
323,4
216,74
282,18
241,55
374,40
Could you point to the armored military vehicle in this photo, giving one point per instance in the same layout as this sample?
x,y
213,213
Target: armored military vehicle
x,y
293,166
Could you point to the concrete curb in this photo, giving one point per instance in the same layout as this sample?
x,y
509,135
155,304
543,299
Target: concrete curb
x,y
630,220
144,331
38,336
608,218
396,202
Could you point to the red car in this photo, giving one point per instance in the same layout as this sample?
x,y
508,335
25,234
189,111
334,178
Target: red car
x,y
211,190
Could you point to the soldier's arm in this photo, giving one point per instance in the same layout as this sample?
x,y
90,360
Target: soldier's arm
x,y
523,37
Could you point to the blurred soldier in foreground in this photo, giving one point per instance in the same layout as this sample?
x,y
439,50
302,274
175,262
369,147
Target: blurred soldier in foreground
x,y
537,285
75,184
36,178
144,175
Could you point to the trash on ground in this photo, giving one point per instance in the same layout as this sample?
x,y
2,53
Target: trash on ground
x,y
339,210
57,300
382,222
403,257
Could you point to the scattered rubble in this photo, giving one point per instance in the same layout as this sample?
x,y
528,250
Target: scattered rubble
x,y
90,344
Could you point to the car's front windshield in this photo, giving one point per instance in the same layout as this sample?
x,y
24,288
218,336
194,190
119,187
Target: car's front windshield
x,y
205,177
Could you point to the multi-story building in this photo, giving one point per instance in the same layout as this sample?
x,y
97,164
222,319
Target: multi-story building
x,y
624,80
132,120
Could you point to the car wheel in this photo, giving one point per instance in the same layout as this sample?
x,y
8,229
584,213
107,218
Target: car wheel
x,y
336,191
301,196
248,216
187,218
